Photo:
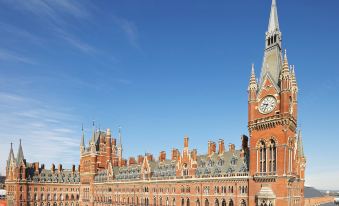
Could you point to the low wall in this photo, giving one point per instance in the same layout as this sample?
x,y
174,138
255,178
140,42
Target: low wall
x,y
318,200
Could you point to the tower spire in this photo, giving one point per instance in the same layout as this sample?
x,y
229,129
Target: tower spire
x,y
20,155
272,63
273,24
300,145
82,143
10,156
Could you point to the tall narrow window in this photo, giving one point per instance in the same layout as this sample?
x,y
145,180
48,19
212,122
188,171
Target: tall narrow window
x,y
262,155
273,156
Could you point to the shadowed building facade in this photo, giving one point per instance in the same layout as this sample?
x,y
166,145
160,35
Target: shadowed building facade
x,y
267,170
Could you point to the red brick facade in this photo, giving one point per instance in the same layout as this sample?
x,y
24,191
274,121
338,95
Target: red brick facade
x,y
267,170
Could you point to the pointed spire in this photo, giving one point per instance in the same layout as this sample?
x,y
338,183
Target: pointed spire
x,y
293,77
300,145
10,155
120,137
272,63
285,71
20,155
82,143
93,136
253,82
273,24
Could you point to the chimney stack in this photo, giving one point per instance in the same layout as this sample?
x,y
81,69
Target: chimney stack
x,y
211,147
175,154
149,157
73,168
162,156
221,147
185,141
140,159
36,166
231,148
131,161
194,155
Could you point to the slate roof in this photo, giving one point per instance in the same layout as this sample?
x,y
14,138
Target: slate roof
x,y
216,165
65,176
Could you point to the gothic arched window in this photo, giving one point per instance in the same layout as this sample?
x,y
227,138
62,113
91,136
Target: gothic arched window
x,y
216,203
273,156
262,157
231,203
207,203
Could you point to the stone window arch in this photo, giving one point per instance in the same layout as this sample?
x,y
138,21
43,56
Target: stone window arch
x,y
231,203
216,202
273,156
207,203
262,157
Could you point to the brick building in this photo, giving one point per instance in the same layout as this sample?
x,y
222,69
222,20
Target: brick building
x,y
267,170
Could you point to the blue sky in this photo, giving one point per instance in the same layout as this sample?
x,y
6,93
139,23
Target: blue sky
x,y
160,70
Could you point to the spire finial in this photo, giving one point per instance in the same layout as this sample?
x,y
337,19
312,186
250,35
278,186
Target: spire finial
x,y
120,137
82,143
274,21
253,81
285,55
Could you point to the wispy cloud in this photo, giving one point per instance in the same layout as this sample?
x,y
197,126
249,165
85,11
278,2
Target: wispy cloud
x,y
6,55
77,43
130,30
47,132
53,11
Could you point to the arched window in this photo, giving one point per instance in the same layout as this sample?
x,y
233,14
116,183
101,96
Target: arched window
x,y
188,202
223,202
273,156
243,203
197,202
185,170
207,203
231,203
216,203
182,202
262,157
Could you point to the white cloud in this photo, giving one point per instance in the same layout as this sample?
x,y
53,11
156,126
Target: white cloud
x,y
48,134
130,30
6,55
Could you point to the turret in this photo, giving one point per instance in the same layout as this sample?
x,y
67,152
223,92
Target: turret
x,y
285,85
82,142
120,149
294,88
252,94
108,146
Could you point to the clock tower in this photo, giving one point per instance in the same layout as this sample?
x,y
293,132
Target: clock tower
x,y
277,162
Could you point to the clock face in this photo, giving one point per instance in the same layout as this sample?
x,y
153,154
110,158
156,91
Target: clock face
x,y
267,105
